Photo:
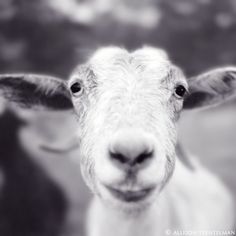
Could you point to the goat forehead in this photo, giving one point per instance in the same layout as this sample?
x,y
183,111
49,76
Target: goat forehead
x,y
145,63
110,53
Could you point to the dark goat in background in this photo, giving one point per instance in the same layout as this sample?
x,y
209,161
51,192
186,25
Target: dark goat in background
x,y
30,203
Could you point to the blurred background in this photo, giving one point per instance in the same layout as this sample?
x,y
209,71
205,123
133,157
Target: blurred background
x,y
44,195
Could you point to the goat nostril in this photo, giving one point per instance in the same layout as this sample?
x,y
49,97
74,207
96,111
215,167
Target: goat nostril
x,y
143,157
128,161
118,157
129,149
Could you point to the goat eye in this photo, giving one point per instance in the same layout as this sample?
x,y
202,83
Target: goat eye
x,y
76,88
180,91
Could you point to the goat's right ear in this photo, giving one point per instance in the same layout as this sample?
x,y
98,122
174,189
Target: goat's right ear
x,y
35,91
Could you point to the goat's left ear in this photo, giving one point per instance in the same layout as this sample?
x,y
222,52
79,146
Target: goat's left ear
x,y
211,88
35,91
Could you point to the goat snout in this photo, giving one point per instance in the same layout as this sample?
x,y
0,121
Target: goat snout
x,y
131,150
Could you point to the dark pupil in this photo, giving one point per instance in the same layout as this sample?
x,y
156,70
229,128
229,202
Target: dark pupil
x,y
75,88
180,90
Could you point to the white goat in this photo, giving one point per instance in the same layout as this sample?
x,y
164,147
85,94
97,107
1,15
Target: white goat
x,y
127,106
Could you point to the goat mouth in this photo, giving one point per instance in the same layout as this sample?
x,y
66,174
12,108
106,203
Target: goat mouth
x,y
130,196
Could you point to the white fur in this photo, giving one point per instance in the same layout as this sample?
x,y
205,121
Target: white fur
x,y
193,200
133,94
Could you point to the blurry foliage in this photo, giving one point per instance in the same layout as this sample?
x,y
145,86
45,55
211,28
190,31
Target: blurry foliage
x,y
51,36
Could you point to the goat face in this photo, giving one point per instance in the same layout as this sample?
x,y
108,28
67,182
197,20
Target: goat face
x,y
128,106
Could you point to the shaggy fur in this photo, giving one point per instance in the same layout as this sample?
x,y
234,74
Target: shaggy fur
x,y
131,97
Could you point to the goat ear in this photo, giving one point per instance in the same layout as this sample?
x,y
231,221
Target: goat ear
x,y
35,91
211,88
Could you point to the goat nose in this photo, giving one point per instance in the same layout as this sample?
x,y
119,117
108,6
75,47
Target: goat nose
x,y
131,151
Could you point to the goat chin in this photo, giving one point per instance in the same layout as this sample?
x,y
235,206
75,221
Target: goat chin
x,y
178,207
